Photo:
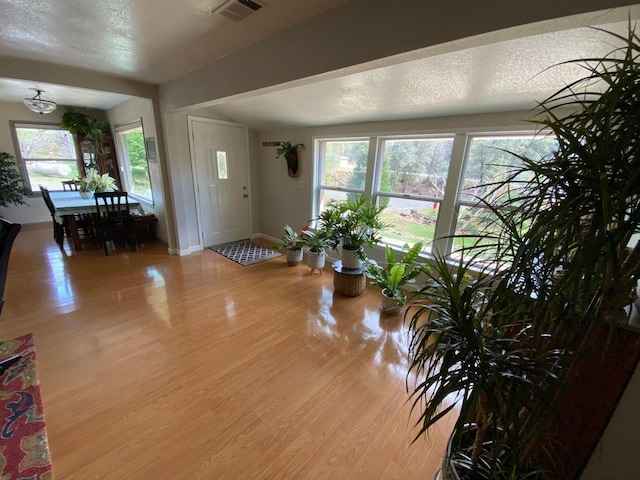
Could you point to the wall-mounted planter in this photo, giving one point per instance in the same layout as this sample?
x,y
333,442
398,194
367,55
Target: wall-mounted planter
x,y
292,164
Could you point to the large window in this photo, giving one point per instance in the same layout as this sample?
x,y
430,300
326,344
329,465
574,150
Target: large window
x,y
488,162
429,184
342,171
410,181
47,155
133,158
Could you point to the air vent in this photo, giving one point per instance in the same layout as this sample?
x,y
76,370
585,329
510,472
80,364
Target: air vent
x,y
238,9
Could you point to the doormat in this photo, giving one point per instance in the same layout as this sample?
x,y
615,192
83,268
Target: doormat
x,y
245,252
24,451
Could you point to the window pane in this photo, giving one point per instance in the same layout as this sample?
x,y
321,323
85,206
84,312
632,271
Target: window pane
x,y
48,155
410,221
222,166
46,143
330,196
488,161
415,166
135,162
344,163
50,173
476,222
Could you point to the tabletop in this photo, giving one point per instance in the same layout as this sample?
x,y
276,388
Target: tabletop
x,y
71,203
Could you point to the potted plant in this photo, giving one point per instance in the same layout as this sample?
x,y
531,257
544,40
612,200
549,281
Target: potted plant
x,y
395,275
293,242
290,153
94,182
12,189
317,243
521,345
353,224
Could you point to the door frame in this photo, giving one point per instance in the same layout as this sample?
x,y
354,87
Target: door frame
x,y
196,192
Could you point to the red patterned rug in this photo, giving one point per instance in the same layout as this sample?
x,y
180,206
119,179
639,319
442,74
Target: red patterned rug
x,y
24,453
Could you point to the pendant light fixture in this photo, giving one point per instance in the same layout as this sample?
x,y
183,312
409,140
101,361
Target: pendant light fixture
x,y
38,104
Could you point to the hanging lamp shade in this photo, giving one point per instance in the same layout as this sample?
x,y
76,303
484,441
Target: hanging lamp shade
x,y
38,104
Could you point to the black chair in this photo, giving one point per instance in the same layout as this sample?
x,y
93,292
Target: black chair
x,y
8,232
58,228
69,185
113,219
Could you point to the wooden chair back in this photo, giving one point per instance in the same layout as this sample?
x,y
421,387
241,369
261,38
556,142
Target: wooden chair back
x,y
113,217
69,185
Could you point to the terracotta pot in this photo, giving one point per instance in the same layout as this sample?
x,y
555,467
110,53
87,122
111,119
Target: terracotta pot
x,y
350,259
294,256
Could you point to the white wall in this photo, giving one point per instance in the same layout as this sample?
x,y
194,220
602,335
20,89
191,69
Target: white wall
x,y
616,456
127,112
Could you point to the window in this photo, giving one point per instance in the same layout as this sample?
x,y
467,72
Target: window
x,y
487,162
428,184
47,155
133,160
342,170
411,181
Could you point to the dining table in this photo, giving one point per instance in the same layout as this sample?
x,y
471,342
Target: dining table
x,y
69,204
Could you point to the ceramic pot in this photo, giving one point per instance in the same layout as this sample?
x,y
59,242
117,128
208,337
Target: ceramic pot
x,y
294,256
86,194
350,259
389,304
316,260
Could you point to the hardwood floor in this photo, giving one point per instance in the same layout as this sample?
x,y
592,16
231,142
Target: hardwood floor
x,y
162,367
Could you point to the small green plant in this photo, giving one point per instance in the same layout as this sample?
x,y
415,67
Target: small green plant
x,y
12,189
291,240
285,148
94,182
398,273
318,241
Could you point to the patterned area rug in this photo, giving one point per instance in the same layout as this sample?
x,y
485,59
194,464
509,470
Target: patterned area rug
x,y
245,252
24,452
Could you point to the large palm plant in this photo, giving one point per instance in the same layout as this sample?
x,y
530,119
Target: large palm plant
x,y
557,262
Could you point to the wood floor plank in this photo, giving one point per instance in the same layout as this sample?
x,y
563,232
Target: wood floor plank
x,y
164,367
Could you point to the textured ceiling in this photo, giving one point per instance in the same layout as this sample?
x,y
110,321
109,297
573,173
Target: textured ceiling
x,y
157,40
503,76
148,40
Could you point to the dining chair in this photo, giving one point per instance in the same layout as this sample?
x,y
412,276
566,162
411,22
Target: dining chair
x,y
58,227
113,219
8,232
69,185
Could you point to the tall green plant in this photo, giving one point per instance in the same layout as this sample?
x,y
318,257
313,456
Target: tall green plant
x,y
556,260
472,347
12,189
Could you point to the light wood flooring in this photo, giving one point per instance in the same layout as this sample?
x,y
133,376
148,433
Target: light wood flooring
x,y
155,366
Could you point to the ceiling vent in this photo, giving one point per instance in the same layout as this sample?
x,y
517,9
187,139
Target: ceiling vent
x,y
238,9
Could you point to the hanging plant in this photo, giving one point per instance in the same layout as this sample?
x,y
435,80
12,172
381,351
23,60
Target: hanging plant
x,y
290,153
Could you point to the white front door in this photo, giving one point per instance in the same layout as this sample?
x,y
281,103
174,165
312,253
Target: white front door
x,y
221,180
